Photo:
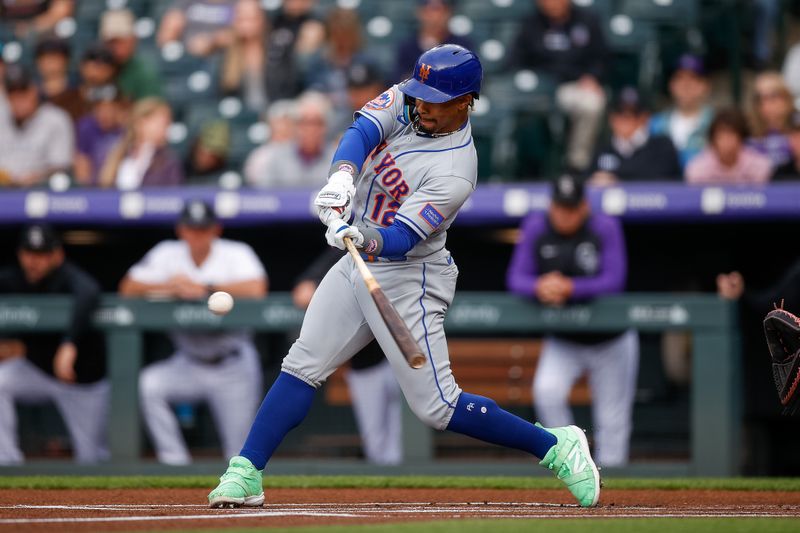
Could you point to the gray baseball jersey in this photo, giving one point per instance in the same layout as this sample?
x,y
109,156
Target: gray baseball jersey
x,y
422,181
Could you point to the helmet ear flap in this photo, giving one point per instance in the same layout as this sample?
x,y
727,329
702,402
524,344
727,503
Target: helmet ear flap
x,y
411,107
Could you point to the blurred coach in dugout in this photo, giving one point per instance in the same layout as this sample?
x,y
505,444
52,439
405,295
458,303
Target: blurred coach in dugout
x,y
221,368
67,369
571,254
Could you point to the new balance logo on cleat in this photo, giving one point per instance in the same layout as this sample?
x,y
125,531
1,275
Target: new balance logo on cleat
x,y
578,464
570,460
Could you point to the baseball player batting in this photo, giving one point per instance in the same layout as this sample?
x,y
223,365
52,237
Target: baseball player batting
x,y
396,208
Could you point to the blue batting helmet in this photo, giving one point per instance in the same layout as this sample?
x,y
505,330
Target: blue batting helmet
x,y
444,72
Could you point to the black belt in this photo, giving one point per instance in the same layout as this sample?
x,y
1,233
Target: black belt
x,y
216,360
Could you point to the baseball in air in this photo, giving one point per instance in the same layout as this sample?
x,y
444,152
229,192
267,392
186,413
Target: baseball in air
x,y
220,303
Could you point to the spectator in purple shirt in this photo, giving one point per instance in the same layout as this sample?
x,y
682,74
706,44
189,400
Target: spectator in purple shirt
x,y
571,254
98,132
772,109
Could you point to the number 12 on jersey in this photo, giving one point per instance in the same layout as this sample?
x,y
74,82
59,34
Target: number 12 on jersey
x,y
387,217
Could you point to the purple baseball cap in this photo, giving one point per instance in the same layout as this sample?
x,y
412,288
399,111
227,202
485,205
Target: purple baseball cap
x,y
691,63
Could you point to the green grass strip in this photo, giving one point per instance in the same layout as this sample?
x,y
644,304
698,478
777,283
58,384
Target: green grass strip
x,y
390,482
600,525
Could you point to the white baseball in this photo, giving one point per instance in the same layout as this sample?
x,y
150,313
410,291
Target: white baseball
x,y
220,303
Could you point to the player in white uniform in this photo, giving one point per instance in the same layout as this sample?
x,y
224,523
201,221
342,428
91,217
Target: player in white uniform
x,y
220,368
422,169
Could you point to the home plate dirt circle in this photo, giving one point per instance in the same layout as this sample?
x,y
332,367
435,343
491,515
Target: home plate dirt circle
x,y
111,510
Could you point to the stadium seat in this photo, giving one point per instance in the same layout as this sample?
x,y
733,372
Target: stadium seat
x,y
624,34
492,129
603,8
680,13
495,10
636,51
523,90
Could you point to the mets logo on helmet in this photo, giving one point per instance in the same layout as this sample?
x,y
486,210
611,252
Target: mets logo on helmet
x,y
382,101
424,72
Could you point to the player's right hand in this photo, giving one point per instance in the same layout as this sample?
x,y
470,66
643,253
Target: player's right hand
x,y
340,229
335,200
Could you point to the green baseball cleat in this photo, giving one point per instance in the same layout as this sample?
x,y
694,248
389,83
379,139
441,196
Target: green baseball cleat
x,y
239,486
572,463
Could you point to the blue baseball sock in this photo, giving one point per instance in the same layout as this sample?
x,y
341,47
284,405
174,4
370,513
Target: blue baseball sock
x,y
483,419
285,406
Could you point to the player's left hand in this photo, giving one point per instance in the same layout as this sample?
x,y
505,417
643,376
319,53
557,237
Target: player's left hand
x,y
335,200
338,230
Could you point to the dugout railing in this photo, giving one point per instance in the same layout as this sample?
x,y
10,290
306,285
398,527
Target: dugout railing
x,y
716,389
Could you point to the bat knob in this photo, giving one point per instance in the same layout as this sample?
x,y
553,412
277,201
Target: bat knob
x,y
418,361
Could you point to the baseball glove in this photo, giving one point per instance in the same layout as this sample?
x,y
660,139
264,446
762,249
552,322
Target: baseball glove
x,y
782,330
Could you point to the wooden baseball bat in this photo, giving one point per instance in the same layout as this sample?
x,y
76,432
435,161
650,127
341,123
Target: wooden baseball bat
x,y
400,332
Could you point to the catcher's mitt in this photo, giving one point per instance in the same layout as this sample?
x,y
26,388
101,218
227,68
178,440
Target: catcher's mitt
x,y
782,330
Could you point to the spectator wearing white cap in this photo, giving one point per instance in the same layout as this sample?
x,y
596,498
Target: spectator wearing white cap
x,y
136,78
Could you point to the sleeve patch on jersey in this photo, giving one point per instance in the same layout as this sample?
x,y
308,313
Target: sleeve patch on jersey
x,y
382,101
430,215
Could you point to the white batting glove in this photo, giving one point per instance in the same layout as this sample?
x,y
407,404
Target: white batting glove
x,y
335,200
338,230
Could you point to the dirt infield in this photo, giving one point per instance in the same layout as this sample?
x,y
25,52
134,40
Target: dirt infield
x,y
113,510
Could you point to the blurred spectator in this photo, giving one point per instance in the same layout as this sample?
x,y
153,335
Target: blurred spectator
x,y
567,42
304,161
67,369
280,121
244,68
296,34
791,170
281,126
3,96
433,19
570,254
35,16
220,368
99,132
326,70
36,139
374,392
791,69
208,155
772,107
142,158
764,21
52,66
97,69
136,78
202,25
727,159
686,122
364,82
731,286
634,154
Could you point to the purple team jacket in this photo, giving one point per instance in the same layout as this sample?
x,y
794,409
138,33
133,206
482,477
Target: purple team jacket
x,y
523,272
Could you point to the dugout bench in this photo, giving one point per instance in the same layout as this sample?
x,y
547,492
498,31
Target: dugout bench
x,y
716,388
